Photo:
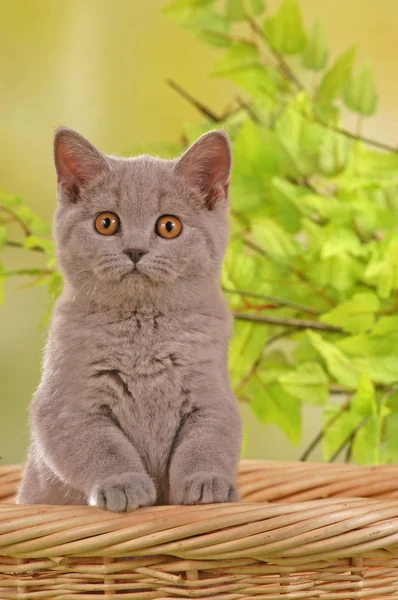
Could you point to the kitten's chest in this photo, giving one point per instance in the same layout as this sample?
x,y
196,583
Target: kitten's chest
x,y
148,367
154,355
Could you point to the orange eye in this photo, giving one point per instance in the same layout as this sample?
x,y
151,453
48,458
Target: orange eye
x,y
107,223
168,227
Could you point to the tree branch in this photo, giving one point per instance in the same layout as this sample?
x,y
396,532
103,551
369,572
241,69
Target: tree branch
x,y
319,436
17,219
295,323
353,136
207,112
284,67
13,244
274,300
242,105
348,440
298,273
29,272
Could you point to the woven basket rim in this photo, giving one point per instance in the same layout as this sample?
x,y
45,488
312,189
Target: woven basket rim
x,y
304,532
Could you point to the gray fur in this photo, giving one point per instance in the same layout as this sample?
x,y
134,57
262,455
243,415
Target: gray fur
x,y
134,407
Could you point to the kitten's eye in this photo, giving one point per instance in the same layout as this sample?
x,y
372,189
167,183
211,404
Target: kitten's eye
x,y
107,223
168,227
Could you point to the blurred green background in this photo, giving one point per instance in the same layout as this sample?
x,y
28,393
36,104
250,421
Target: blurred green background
x,y
100,67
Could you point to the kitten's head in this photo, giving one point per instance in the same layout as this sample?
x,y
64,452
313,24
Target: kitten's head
x,y
141,227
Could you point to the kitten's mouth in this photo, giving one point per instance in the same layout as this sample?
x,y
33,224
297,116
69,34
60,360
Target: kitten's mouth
x,y
135,272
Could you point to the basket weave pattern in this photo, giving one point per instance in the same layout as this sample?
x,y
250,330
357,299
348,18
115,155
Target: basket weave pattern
x,y
302,531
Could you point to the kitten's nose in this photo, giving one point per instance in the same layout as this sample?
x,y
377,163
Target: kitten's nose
x,y
135,254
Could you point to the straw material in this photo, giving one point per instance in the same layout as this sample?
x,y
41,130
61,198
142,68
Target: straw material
x,y
302,531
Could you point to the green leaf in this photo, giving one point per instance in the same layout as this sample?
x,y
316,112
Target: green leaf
x,y
333,153
338,272
10,201
364,400
237,58
285,30
55,285
276,242
392,436
240,271
259,156
213,29
283,200
32,241
236,12
3,236
199,17
382,369
23,273
183,9
316,53
341,241
338,364
365,443
334,81
309,383
339,430
273,405
375,164
246,346
360,93
382,270
32,221
355,315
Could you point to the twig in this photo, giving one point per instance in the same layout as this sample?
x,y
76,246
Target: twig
x,y
273,299
29,272
284,67
17,219
257,362
296,272
235,39
319,436
207,112
245,106
348,440
255,247
352,136
279,336
296,323
348,454
19,245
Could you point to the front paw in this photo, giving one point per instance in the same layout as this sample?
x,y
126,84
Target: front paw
x,y
119,493
204,488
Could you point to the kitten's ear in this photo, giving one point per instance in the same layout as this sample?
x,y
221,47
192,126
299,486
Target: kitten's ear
x,y
207,165
77,162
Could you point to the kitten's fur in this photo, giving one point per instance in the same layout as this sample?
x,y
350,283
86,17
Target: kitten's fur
x,y
134,407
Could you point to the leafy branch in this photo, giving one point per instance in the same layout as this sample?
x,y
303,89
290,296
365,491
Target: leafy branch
x,y
313,251
295,323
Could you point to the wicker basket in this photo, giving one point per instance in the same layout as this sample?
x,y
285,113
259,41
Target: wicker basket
x,y
303,531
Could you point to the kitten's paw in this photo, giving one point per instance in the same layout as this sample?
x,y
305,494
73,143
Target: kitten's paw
x,y
128,491
204,488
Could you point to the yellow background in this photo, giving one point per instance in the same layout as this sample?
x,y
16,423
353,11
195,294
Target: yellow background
x,y
100,66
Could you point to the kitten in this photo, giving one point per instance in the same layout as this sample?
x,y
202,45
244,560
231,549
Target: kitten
x,y
134,407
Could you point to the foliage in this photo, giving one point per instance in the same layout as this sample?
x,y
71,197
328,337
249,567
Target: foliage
x,y
311,271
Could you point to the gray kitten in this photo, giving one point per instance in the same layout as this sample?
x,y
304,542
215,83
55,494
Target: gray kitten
x,y
134,407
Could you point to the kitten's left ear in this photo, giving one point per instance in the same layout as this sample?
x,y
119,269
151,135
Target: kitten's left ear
x,y
207,165
77,162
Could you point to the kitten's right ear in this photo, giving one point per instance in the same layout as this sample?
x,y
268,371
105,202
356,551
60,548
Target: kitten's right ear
x,y
77,162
